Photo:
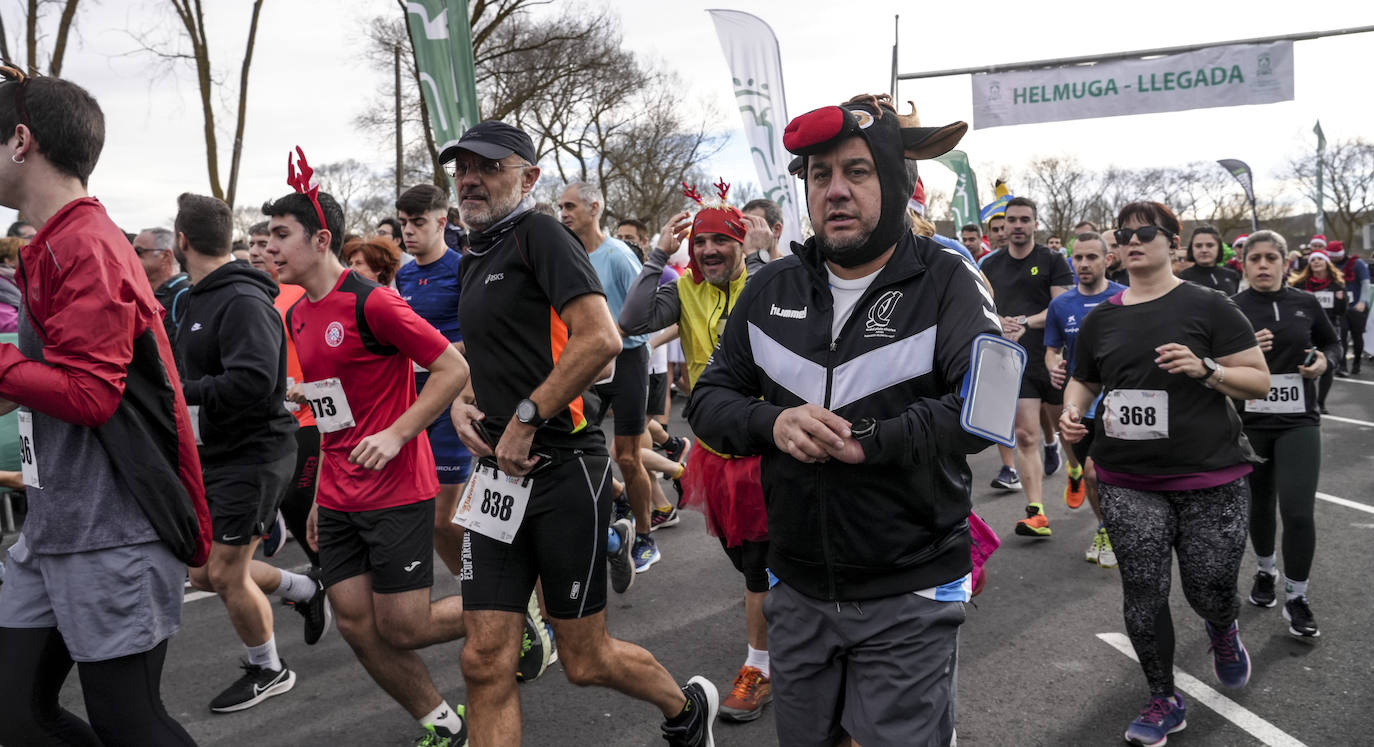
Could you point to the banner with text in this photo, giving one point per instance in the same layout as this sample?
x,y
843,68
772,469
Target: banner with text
x,y
1234,75
751,50
443,53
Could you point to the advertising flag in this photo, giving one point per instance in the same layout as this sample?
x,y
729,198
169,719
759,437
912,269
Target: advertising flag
x,y
1321,166
443,53
964,202
1241,171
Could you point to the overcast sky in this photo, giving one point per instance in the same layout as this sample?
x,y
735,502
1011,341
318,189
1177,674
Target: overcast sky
x,y
308,82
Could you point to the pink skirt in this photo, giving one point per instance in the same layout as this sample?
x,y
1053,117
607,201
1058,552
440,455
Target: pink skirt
x,y
729,493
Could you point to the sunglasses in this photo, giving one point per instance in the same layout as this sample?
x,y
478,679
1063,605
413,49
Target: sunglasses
x,y
1146,234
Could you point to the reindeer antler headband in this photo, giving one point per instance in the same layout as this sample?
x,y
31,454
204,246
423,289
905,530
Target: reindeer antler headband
x,y
305,183
18,76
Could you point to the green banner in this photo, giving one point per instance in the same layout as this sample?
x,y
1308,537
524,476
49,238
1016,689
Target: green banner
x,y
964,201
443,53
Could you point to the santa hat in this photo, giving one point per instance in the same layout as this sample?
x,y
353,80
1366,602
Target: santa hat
x,y
715,217
1318,239
1319,253
1239,241
1336,250
918,198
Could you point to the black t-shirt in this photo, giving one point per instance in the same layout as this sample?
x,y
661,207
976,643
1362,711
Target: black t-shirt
x,y
1199,430
515,281
1297,321
1022,286
1216,277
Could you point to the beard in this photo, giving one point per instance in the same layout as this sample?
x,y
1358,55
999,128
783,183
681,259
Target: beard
x,y
496,207
850,251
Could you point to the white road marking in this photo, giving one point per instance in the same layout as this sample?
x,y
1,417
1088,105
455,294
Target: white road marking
x,y
1347,503
1354,381
1352,421
1204,694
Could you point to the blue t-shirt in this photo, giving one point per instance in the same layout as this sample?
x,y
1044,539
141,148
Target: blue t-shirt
x,y
617,267
946,241
432,290
1065,316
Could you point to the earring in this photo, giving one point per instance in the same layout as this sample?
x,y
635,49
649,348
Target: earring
x,y
16,159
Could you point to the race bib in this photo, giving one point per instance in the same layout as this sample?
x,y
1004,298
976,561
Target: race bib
x,y
328,403
494,503
28,456
1286,396
1327,299
1136,414
194,411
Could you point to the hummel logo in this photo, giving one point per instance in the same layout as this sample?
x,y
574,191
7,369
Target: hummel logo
x,y
788,313
494,277
195,327
413,565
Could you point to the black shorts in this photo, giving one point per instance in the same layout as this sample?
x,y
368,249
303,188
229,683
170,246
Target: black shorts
x,y
750,559
300,490
243,498
658,394
627,394
395,545
1035,384
561,542
1084,446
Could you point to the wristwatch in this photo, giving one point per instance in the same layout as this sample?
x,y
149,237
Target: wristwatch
x,y
1021,320
528,413
863,428
1212,370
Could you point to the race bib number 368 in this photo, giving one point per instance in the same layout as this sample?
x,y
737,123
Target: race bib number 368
x,y
1136,414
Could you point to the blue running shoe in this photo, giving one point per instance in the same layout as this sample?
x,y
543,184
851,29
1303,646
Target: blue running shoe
x,y
645,553
276,537
1230,660
1158,719
1053,459
1007,479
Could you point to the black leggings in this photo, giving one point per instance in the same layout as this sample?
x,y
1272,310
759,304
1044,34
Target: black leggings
x,y
123,698
1207,530
1294,458
300,492
1354,327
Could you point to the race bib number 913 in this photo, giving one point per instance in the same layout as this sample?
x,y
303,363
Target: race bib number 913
x,y
1136,414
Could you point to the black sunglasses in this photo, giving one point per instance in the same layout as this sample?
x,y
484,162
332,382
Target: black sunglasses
x,y
1146,234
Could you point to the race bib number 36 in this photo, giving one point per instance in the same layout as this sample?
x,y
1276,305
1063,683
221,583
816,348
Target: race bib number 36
x,y
28,457
1286,396
328,403
494,503
1136,414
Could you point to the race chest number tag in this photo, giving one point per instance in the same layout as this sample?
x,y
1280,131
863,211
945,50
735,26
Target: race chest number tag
x,y
1136,414
1286,397
328,403
1327,299
494,503
28,456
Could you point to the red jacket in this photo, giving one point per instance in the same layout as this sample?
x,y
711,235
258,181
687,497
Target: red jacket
x,y
109,366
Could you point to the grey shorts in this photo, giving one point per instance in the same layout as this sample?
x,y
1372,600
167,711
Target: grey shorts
x,y
882,671
106,603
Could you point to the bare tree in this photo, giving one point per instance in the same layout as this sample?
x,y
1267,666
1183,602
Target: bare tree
x,y
34,12
360,190
1066,190
1348,185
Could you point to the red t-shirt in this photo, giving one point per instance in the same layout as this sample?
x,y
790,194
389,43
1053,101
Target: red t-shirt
x,y
287,296
374,369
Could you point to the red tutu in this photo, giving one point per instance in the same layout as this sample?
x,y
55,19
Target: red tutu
x,y
728,492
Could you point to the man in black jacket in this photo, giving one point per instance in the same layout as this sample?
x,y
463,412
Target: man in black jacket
x,y
232,350
843,365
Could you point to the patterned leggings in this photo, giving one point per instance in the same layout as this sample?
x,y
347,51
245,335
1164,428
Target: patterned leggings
x,y
1207,528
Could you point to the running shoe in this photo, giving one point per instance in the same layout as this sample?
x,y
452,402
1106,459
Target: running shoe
x,y
1230,660
663,517
645,552
750,693
622,562
1053,459
675,448
1095,549
1262,592
438,736
621,506
316,611
535,645
1106,557
1007,479
256,685
694,726
276,537
1158,719
1035,524
1075,492
1301,623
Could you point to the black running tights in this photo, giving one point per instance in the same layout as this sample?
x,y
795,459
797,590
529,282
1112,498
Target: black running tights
x,y
123,698
300,492
1206,528
1294,458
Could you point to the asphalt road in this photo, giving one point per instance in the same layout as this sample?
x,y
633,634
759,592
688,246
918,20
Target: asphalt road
x,y
1037,661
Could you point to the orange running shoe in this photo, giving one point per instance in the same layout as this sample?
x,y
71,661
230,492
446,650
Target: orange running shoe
x,y
751,692
1035,524
1074,493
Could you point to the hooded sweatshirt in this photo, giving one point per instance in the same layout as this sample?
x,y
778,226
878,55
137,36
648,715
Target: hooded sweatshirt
x,y
232,348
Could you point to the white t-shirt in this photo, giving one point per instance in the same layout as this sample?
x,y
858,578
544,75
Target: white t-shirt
x,y
846,294
658,359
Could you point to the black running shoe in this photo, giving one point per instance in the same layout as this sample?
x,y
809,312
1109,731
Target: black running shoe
x,y
1262,593
693,727
622,562
316,611
1299,617
675,448
256,685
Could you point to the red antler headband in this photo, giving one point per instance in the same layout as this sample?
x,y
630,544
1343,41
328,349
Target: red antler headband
x,y
305,183
715,217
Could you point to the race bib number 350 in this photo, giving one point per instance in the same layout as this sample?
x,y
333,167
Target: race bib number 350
x,y
494,503
1286,396
329,405
1136,414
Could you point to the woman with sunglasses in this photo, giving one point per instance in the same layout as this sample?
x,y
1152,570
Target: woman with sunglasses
x,y
1328,286
1170,454
1204,251
1299,345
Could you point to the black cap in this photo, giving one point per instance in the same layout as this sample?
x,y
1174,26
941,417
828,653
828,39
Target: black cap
x,y
494,140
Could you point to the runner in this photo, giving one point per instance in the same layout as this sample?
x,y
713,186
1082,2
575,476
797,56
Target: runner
x,y
724,487
1328,285
1356,274
1066,315
1169,452
1204,251
538,331
233,356
116,505
1299,344
375,510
